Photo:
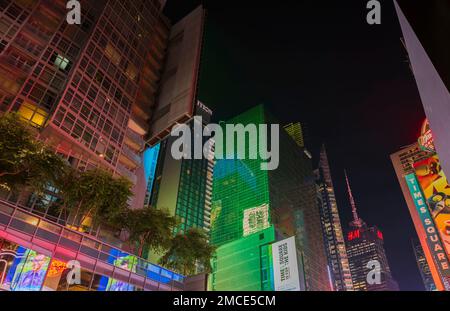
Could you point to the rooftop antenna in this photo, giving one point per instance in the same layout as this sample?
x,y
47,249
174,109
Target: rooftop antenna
x,y
356,222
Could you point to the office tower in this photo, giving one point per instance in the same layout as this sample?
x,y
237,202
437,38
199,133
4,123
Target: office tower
x,y
341,278
420,177
296,132
91,91
184,187
423,266
424,25
266,224
366,253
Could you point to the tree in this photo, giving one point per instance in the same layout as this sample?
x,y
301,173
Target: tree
x,y
187,250
149,227
24,160
95,193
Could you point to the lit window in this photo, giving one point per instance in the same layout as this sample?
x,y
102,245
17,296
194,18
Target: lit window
x,y
31,113
61,62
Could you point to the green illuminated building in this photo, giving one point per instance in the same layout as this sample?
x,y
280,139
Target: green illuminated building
x,y
254,208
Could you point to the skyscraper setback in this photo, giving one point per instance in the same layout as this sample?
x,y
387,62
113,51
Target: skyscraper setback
x,y
341,277
366,253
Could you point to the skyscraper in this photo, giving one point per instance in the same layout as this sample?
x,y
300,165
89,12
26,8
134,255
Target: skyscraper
x,y
423,266
296,132
95,92
331,225
184,187
366,254
261,216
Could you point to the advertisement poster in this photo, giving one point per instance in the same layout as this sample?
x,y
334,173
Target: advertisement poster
x,y
435,246
285,266
30,272
437,194
126,262
256,219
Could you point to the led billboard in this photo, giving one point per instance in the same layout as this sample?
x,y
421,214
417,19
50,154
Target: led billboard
x,y
436,190
434,243
255,219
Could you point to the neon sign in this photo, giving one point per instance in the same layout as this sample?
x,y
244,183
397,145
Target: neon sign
x,y
379,234
426,141
355,234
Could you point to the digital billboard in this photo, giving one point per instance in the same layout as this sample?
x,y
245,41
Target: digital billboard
x,y
127,262
30,272
285,266
256,219
436,190
435,246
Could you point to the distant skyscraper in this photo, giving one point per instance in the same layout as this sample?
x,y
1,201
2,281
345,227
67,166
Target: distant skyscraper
x,y
332,230
423,266
296,132
266,224
365,244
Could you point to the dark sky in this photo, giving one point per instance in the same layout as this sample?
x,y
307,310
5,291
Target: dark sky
x,y
320,63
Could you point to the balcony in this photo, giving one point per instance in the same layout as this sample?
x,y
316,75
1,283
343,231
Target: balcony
x,y
134,140
134,160
123,171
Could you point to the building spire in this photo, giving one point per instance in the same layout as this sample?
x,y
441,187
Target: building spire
x,y
356,222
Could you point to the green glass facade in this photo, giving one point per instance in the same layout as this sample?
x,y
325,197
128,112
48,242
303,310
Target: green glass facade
x,y
253,208
181,187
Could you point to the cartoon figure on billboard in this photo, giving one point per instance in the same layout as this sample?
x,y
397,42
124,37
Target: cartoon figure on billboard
x,y
30,272
126,263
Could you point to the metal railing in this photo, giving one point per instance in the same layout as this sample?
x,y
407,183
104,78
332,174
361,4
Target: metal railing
x,y
94,255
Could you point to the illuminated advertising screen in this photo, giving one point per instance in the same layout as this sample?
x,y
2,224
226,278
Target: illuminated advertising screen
x,y
122,260
256,219
285,266
30,272
434,243
436,190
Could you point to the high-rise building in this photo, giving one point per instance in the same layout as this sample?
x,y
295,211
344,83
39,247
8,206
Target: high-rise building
x,y
423,266
425,187
296,132
341,277
366,254
184,187
266,224
424,25
96,92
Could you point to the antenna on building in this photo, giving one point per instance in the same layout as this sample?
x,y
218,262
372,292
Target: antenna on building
x,y
356,222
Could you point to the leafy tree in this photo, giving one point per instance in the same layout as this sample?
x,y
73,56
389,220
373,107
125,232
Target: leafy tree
x,y
187,250
96,194
24,160
149,227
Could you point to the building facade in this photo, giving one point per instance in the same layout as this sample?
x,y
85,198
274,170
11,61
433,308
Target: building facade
x,y
96,92
338,264
259,216
423,266
184,187
366,255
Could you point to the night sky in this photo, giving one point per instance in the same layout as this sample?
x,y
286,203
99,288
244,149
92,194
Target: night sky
x,y
320,63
